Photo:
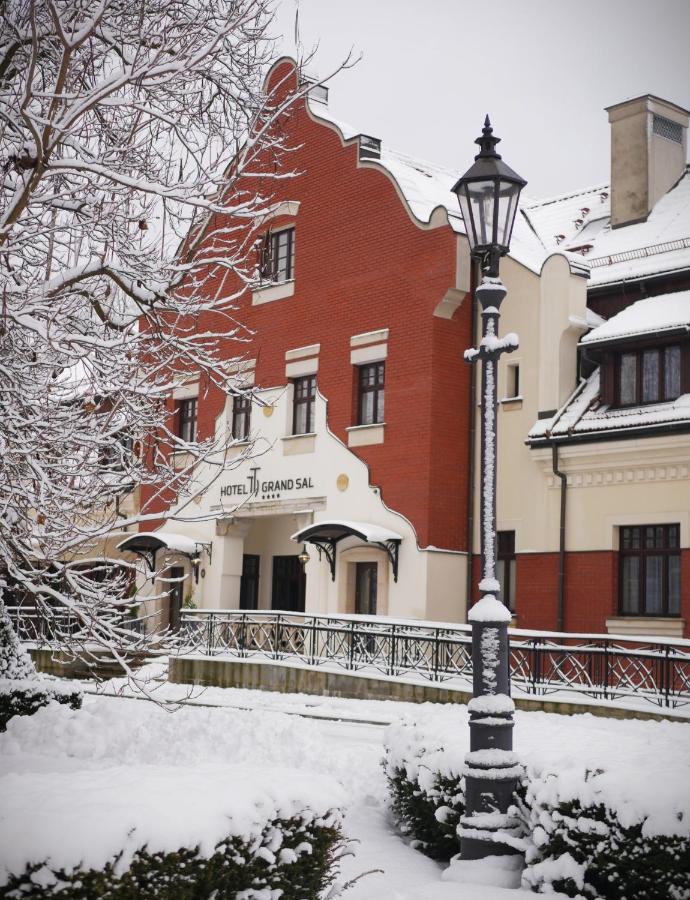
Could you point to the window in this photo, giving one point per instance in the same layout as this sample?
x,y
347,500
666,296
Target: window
x,y
512,380
118,454
186,419
505,567
303,406
371,393
241,416
650,570
278,256
649,376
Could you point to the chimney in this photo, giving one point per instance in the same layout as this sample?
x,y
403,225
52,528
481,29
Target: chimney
x,y
648,153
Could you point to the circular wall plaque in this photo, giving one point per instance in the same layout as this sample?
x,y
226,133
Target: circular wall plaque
x,y
268,411
342,482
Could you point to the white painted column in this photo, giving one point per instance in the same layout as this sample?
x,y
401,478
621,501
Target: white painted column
x,y
228,550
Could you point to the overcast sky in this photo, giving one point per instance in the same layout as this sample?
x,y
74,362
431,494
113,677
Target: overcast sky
x,y
543,69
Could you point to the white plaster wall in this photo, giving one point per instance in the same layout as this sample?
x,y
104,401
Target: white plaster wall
x,y
338,488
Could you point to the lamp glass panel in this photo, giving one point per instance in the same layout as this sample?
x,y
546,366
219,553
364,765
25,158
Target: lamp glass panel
x,y
482,203
508,194
464,201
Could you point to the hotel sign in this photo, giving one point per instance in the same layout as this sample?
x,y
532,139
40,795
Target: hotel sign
x,y
265,489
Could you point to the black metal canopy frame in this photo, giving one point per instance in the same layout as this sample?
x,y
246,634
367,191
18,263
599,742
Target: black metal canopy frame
x,y
147,545
326,535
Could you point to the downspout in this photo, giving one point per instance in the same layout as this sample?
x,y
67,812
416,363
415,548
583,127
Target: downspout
x,y
472,427
560,615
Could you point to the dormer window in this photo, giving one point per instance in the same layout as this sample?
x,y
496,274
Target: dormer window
x,y
651,375
278,256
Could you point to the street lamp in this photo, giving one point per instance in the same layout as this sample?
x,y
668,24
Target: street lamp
x,y
488,195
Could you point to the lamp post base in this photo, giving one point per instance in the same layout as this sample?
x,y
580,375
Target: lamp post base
x,y
497,871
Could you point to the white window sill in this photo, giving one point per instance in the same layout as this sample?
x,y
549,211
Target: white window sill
x,y
363,435
511,402
273,292
182,459
237,448
296,444
661,626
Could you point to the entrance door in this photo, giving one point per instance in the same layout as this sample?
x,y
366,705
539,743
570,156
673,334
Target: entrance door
x,y
365,588
289,582
175,595
249,583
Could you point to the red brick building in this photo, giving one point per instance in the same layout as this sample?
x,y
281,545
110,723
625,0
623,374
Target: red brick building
x,y
363,414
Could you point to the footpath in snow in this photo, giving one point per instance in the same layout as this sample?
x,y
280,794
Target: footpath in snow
x,y
120,738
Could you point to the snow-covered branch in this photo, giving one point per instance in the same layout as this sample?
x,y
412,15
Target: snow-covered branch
x,y
129,133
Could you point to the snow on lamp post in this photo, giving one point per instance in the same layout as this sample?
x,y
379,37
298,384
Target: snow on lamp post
x,y
488,195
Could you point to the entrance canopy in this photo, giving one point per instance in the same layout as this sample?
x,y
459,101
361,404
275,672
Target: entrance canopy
x,y
325,536
147,543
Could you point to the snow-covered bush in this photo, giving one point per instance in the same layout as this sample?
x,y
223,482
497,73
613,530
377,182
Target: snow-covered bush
x,y
22,692
238,867
143,832
588,834
585,840
15,662
427,787
23,698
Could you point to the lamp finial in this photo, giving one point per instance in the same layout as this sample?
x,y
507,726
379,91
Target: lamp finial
x,y
487,141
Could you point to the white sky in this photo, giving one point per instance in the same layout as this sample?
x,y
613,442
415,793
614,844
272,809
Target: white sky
x,y
543,69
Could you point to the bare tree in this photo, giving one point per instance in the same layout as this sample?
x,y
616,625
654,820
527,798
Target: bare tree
x,y
129,131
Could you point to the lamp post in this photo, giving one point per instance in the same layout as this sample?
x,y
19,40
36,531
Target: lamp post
x,y
488,195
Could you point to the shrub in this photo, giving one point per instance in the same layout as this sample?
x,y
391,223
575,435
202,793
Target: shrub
x,y
15,662
585,834
23,698
585,850
430,815
427,788
293,859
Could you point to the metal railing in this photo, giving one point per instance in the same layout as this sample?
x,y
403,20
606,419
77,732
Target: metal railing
x,y
51,631
604,667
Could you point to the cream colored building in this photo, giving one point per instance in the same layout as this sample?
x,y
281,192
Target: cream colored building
x,y
579,470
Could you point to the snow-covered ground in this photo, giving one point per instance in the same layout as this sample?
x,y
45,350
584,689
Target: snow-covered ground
x,y
126,738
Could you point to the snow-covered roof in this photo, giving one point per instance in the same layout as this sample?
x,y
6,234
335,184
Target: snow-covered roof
x,y
426,187
558,220
580,222
666,312
584,413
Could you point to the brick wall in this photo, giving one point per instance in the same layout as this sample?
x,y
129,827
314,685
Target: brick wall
x,y
362,264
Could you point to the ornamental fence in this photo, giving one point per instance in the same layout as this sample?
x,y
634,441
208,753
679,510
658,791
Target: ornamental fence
x,y
542,663
49,631
603,667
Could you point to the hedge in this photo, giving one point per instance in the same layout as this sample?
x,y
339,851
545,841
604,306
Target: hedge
x,y
23,698
578,847
429,816
301,869
585,851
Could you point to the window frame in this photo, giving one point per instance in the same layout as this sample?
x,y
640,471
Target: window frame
x,y
378,389
187,422
268,267
662,351
308,401
513,381
642,553
505,553
241,412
